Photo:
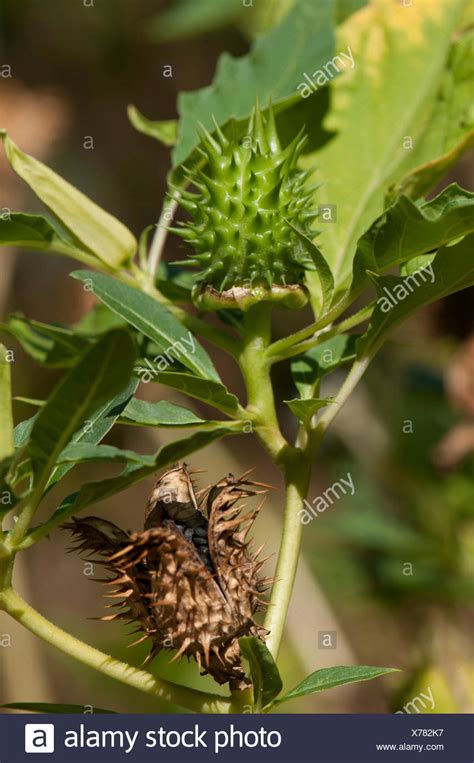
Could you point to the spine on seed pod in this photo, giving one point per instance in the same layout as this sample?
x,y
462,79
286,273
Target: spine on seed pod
x,y
250,203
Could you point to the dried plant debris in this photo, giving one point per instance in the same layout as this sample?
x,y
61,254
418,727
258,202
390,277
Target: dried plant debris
x,y
190,579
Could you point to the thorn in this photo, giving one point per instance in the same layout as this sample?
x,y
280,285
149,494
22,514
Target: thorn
x,y
117,581
123,551
208,140
185,233
272,133
215,649
220,134
120,594
138,641
267,581
154,651
189,206
205,646
269,278
161,602
261,562
197,657
259,130
181,650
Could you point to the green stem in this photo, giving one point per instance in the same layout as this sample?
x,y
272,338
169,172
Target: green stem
x,y
6,417
256,372
256,367
352,379
197,701
161,233
242,701
6,571
297,475
285,348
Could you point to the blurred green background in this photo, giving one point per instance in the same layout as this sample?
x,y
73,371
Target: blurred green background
x,y
387,572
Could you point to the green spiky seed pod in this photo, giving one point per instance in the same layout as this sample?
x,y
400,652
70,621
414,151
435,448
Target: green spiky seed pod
x,y
250,197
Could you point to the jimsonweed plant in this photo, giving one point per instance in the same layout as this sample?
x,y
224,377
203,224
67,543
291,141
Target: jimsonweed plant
x,y
289,199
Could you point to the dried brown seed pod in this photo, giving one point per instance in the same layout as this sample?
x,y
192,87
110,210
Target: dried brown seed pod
x,y
190,582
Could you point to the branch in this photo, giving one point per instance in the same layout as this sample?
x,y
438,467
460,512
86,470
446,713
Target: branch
x,y
256,372
297,481
191,699
161,233
283,349
352,379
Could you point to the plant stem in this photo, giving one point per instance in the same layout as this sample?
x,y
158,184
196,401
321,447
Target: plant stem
x,y
6,418
352,379
242,700
255,367
6,572
159,238
197,701
297,475
256,372
284,348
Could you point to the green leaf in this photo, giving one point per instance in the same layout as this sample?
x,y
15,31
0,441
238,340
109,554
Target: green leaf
x,y
92,492
49,707
451,270
92,228
274,67
165,132
154,321
89,433
345,8
326,280
187,18
321,360
101,373
451,134
267,683
22,432
97,322
6,417
175,283
261,17
407,230
83,452
304,410
97,425
36,232
20,472
211,392
328,678
390,93
161,414
51,346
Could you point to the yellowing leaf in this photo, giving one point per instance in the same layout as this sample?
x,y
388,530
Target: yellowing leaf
x,y
382,109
